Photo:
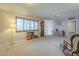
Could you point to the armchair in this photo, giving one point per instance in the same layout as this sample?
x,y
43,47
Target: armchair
x,y
71,48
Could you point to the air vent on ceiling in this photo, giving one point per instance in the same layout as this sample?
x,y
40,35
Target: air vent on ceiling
x,y
71,18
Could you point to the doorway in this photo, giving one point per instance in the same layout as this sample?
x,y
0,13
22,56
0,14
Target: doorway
x,y
71,27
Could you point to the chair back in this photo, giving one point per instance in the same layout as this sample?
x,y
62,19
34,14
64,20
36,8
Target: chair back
x,y
75,42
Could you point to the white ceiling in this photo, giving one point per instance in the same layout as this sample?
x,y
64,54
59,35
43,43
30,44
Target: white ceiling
x,y
46,10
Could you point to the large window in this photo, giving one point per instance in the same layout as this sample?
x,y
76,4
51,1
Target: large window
x,y
26,25
36,25
32,25
23,24
19,24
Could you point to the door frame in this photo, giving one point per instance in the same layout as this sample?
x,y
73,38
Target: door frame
x,y
75,20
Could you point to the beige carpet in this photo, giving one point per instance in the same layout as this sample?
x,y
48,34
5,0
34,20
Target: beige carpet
x,y
45,46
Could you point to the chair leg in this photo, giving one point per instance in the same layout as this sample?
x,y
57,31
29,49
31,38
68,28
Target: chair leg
x,y
74,53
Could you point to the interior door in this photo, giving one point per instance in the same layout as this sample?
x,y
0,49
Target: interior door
x,y
72,27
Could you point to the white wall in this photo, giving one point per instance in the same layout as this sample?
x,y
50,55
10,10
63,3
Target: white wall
x,y
61,25
57,24
6,18
64,26
49,27
77,24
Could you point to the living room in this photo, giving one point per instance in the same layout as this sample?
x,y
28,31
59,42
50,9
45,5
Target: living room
x,y
31,29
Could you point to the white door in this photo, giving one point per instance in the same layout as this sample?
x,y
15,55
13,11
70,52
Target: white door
x,y
72,27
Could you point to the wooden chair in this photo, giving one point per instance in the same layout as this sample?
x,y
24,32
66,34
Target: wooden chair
x,y
72,48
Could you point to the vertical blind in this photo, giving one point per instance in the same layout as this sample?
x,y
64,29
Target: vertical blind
x,y
23,24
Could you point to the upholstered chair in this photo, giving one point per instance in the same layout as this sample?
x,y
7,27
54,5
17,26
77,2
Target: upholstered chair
x,y
71,48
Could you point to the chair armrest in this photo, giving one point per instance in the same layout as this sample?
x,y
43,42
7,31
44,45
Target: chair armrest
x,y
67,48
67,45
